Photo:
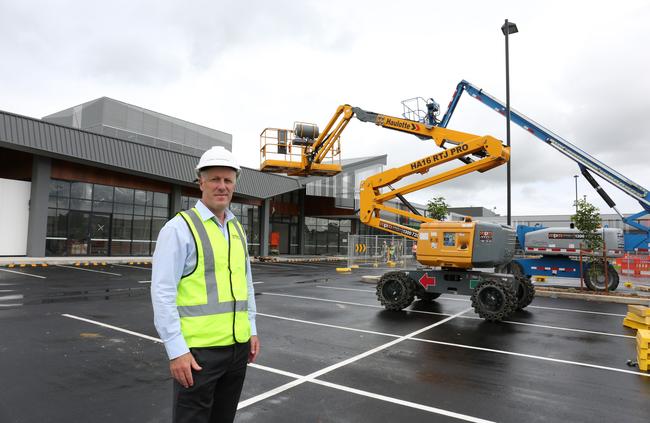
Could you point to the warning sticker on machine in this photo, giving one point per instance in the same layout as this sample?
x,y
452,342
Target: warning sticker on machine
x,y
486,236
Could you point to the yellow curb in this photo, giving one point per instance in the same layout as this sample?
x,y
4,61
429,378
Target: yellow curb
x,y
343,269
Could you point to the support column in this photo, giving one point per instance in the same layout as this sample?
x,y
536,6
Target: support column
x,y
301,222
175,200
37,223
265,222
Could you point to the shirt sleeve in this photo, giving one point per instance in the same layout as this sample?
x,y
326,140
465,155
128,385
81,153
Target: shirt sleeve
x,y
167,269
252,307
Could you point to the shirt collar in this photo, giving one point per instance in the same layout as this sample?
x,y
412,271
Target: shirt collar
x,y
206,214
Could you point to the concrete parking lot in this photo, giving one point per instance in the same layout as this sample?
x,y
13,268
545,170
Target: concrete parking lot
x,y
78,345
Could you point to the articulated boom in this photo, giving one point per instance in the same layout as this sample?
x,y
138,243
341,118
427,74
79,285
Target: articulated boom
x,y
493,154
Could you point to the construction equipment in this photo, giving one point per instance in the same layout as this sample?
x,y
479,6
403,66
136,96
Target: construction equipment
x,y
447,250
553,261
555,252
585,161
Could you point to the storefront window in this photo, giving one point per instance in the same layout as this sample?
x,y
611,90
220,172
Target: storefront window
x,y
94,219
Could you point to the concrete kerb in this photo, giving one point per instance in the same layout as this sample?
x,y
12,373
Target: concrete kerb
x,y
557,293
89,261
80,260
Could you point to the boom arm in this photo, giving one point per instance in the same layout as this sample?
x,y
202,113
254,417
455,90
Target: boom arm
x,y
585,161
493,153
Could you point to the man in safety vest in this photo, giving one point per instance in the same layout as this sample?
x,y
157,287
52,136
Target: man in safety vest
x,y
203,300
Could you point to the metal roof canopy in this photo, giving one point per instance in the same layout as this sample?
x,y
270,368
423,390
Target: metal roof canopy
x,y
62,142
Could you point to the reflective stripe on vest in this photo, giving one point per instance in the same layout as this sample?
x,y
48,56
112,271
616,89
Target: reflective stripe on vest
x,y
205,275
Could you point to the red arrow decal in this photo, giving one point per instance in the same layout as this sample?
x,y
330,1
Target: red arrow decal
x,y
426,280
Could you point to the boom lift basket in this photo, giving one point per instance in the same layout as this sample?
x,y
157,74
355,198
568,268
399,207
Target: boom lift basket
x,y
282,151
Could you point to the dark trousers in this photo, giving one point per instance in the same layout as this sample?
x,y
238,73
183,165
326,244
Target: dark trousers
x,y
215,394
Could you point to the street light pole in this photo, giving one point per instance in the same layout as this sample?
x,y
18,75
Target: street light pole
x,y
507,29
576,179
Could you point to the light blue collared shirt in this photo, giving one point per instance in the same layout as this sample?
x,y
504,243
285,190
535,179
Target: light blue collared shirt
x,y
175,256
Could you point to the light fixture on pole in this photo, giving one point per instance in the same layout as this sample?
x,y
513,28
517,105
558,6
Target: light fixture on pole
x,y
507,29
576,179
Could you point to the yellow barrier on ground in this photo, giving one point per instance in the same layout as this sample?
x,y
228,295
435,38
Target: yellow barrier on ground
x,y
343,269
540,279
642,341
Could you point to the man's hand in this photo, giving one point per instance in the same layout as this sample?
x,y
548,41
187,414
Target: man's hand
x,y
255,349
181,368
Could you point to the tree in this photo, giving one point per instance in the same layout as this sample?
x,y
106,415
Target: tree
x,y
437,208
587,220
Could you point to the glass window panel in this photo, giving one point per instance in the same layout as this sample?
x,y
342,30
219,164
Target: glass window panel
x,y
148,211
55,247
123,195
120,248
160,212
103,206
149,198
160,199
141,228
102,193
63,203
57,223
51,201
80,204
123,208
59,188
140,197
236,209
139,210
121,227
81,190
78,225
140,248
156,226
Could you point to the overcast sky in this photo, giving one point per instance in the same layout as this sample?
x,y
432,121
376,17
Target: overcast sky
x,y
580,68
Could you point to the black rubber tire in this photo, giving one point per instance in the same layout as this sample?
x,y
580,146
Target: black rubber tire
x,y
428,296
598,284
525,292
512,268
494,299
395,291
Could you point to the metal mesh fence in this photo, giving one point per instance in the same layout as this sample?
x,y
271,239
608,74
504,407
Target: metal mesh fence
x,y
380,251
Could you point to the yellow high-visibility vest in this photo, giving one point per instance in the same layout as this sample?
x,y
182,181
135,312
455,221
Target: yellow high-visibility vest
x,y
212,300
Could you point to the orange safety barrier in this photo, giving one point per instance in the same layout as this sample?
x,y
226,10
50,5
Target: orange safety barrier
x,y
634,265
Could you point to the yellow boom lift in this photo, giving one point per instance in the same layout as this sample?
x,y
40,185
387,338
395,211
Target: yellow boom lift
x,y
447,251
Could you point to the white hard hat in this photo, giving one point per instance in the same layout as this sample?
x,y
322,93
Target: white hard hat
x,y
217,156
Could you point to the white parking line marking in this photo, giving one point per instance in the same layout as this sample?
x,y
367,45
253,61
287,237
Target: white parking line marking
x,y
536,357
350,303
11,297
422,407
144,281
289,265
87,270
255,283
327,325
372,395
351,360
447,314
311,378
22,273
577,311
95,322
444,297
132,266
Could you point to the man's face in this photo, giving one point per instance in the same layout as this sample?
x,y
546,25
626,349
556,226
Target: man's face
x,y
217,185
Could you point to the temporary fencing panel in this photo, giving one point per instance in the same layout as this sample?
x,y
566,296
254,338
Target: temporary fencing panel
x,y
380,251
